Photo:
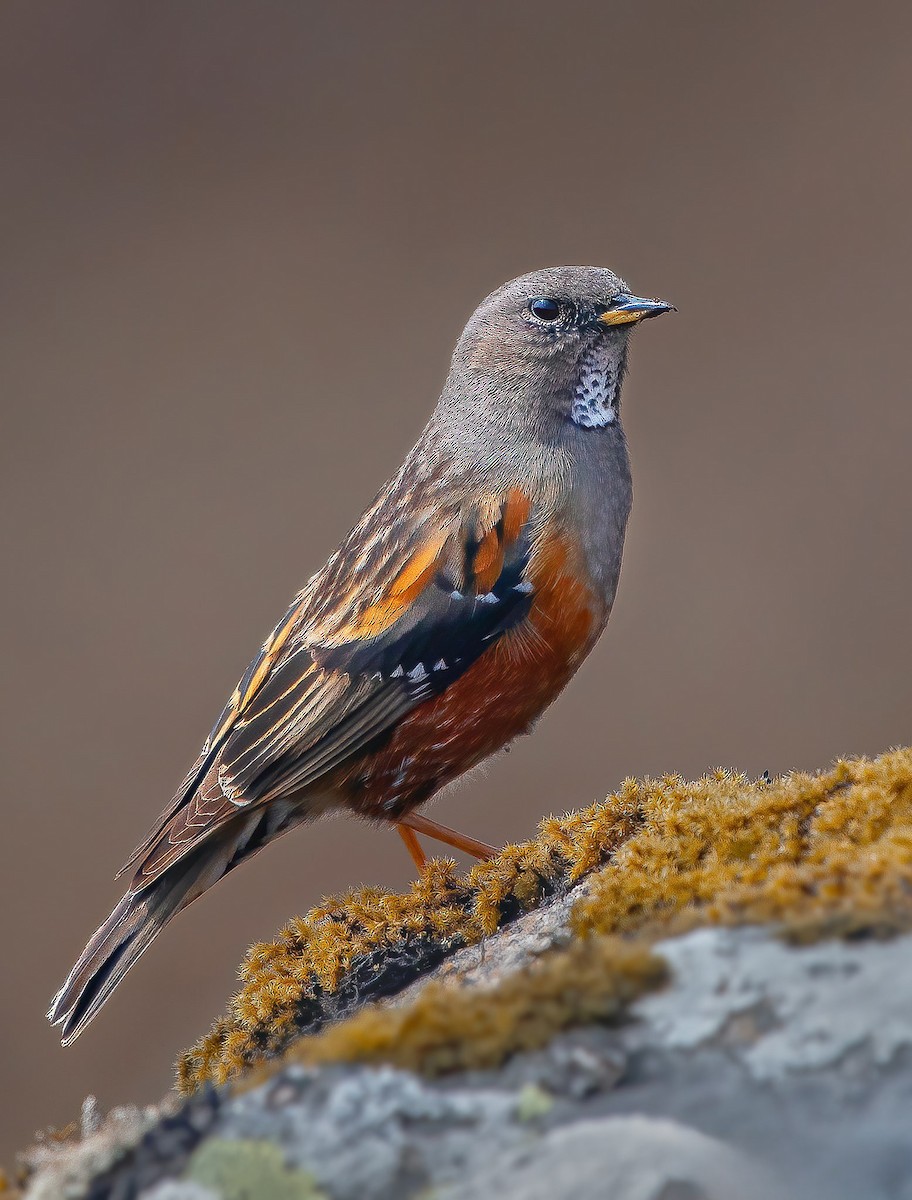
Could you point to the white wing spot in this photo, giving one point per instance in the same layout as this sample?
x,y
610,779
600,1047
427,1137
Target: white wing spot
x,y
398,673
417,673
440,664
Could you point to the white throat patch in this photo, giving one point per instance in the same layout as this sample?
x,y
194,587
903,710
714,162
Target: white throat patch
x,y
597,388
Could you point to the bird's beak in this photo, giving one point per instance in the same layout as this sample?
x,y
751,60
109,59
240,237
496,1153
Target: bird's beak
x,y
625,310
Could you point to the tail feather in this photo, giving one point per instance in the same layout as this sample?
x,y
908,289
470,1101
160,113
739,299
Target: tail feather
x,y
127,933
111,951
147,908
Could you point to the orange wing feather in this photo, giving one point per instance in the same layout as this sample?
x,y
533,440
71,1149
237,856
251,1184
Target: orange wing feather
x,y
495,700
405,588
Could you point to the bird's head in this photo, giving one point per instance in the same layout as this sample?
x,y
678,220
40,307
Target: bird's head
x,y
548,350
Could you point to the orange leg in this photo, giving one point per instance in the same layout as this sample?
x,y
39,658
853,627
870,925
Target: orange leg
x,y
413,846
441,833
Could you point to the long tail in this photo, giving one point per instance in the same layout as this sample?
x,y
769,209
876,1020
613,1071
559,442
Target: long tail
x,y
129,931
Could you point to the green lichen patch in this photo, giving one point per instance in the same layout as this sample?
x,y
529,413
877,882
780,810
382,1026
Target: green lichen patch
x,y
533,1102
818,855
249,1170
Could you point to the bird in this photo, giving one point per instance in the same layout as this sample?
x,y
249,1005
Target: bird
x,y
454,612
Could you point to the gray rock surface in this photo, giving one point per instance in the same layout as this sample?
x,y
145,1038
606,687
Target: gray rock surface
x,y
802,1056
787,1011
625,1158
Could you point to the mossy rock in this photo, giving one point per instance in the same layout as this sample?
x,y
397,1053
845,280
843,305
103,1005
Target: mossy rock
x,y
817,855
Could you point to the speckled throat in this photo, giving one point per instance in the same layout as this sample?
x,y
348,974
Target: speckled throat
x,y
596,394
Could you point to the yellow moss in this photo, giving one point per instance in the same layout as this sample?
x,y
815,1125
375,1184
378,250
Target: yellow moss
x,y
285,981
449,1027
828,852
818,854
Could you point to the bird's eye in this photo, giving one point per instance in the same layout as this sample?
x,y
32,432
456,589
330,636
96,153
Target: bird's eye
x,y
544,309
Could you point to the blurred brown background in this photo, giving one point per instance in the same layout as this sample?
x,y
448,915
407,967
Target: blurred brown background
x,y
238,243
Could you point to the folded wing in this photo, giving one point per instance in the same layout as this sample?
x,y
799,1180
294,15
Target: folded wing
x,y
367,641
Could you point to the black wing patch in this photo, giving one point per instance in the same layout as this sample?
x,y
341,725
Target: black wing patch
x,y
444,634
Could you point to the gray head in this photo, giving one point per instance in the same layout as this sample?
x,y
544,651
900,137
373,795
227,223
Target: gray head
x,y
546,352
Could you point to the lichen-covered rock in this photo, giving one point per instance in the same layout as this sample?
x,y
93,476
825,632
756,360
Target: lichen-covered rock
x,y
726,962
796,1058
375,1134
817,854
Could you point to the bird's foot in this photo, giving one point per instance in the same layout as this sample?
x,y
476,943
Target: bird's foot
x,y
412,824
